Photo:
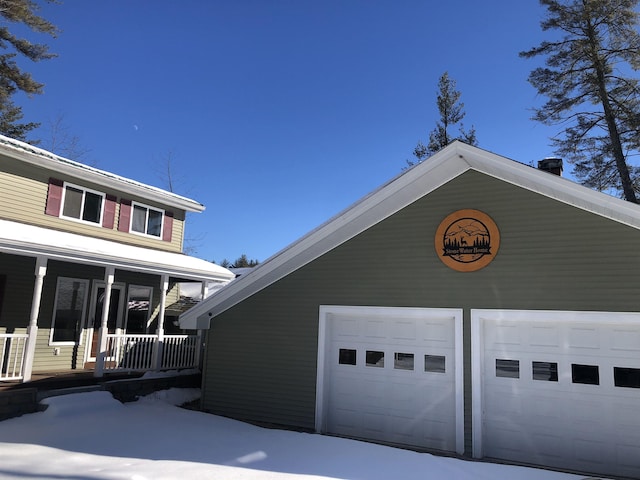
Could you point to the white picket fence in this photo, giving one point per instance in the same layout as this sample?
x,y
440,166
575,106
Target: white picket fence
x,y
140,352
12,349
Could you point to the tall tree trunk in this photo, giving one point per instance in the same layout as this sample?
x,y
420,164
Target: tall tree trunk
x,y
610,118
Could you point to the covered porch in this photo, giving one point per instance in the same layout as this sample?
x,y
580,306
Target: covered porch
x,y
104,306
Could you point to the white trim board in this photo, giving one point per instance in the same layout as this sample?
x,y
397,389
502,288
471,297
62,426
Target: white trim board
x,y
55,163
411,185
30,240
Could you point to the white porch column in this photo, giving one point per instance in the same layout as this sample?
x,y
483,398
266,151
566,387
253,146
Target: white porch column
x,y
109,277
205,289
32,329
164,286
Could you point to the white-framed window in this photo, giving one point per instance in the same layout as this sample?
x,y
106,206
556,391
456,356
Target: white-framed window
x,y
146,220
138,309
69,311
79,203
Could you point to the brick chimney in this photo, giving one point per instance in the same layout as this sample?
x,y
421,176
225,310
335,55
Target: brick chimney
x,y
551,165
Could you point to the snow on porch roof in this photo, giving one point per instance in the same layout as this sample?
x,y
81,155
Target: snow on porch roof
x,y
404,189
21,239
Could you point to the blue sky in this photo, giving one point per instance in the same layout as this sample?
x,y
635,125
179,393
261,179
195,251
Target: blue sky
x,y
278,114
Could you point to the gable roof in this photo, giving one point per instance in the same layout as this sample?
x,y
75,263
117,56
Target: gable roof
x,y
409,186
42,158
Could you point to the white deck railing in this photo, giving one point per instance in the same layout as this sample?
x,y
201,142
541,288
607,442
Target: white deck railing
x,y
12,350
180,351
140,352
129,352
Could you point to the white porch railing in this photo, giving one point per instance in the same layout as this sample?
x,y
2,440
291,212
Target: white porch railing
x,y
12,351
139,352
180,351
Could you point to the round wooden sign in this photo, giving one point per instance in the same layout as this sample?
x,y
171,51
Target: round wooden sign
x,y
467,240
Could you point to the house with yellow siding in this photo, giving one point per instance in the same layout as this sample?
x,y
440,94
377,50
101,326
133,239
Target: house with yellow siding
x,y
89,262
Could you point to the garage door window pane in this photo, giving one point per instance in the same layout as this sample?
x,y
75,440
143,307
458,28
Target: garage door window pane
x,y
434,363
547,371
375,359
347,356
626,377
507,368
587,374
403,361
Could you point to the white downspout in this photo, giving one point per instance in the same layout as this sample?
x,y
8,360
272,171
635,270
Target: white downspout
x,y
109,277
199,332
164,286
32,329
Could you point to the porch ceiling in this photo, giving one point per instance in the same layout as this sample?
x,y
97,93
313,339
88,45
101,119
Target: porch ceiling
x,y
29,240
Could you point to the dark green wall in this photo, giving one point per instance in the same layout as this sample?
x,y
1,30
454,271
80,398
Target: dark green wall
x,y
261,354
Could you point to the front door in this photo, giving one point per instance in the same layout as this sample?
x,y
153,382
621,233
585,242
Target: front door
x,y
114,319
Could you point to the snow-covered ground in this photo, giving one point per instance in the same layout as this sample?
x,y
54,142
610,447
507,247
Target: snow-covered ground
x,y
92,436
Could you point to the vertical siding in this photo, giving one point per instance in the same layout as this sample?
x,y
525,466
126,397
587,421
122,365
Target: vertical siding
x,y
261,354
23,195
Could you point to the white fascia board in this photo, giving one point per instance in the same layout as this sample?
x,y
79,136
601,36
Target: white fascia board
x,y
373,208
396,194
33,241
553,186
56,164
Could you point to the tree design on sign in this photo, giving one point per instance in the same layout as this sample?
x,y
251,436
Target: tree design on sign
x,y
467,240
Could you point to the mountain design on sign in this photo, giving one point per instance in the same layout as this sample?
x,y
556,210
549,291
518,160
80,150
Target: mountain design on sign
x,y
466,240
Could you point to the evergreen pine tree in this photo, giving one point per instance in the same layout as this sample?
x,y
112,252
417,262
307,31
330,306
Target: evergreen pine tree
x,y
452,112
12,78
588,83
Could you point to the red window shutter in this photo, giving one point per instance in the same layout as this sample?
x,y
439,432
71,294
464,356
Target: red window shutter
x,y
125,215
109,213
54,197
167,227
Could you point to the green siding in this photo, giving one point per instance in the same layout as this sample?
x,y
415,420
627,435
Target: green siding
x,y
261,354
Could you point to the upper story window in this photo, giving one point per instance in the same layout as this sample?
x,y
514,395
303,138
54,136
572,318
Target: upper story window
x,y
70,201
146,220
82,204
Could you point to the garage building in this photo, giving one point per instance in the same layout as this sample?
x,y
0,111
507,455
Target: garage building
x,y
472,305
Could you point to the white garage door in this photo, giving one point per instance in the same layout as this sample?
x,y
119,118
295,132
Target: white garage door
x,y
559,389
392,375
